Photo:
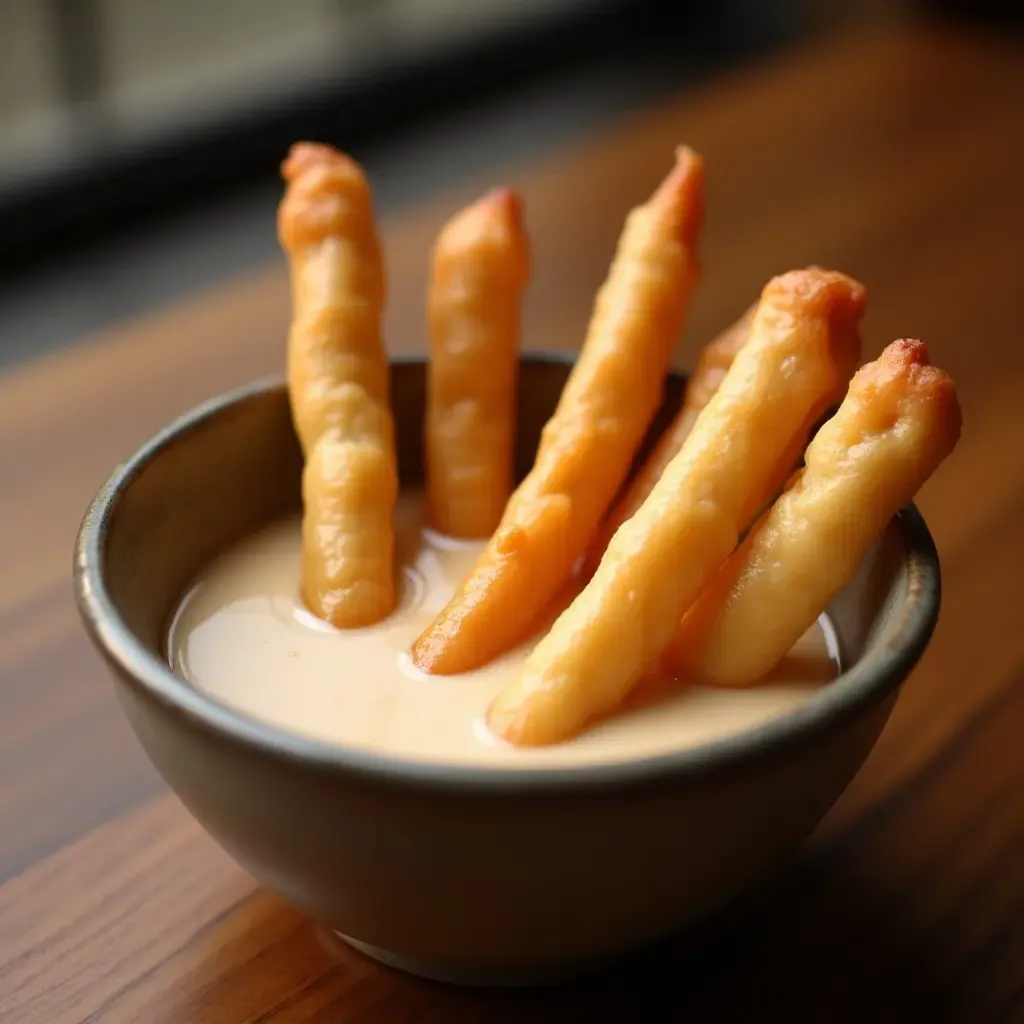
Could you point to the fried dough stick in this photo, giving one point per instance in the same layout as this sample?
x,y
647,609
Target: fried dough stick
x,y
899,420
480,268
660,559
338,386
712,365
586,447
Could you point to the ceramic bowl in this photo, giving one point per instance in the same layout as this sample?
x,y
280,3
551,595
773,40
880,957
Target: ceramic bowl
x,y
482,876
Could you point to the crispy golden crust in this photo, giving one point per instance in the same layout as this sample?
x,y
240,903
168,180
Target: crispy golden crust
x,y
660,559
712,365
338,386
327,195
587,446
842,306
900,419
480,269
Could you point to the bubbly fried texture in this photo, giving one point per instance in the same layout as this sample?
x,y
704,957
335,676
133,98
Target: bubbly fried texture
x,y
712,365
338,387
660,559
586,447
899,420
480,269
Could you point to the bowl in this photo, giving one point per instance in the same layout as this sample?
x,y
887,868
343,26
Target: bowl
x,y
476,876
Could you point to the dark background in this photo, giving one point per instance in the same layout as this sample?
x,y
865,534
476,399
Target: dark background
x,y
139,139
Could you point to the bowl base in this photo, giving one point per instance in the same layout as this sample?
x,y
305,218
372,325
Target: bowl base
x,y
470,977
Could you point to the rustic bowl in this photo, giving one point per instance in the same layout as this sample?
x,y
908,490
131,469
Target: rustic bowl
x,y
481,876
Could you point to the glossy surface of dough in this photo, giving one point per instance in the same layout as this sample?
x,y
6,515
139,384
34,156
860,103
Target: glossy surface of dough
x,y
899,420
712,365
657,562
338,386
480,268
588,444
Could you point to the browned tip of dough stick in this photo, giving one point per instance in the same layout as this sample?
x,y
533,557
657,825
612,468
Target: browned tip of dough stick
x,y
712,365
899,420
480,268
587,445
844,334
338,387
660,559
326,191
841,302
678,201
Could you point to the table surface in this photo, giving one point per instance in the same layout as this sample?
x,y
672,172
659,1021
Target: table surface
x,y
896,156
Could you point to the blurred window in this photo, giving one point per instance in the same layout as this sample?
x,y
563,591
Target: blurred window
x,y
80,77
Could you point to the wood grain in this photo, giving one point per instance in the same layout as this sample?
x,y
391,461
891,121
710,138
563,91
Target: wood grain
x,y
894,156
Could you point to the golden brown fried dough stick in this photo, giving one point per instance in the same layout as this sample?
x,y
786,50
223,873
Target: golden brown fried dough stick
x,y
712,365
480,268
586,447
660,559
899,420
338,385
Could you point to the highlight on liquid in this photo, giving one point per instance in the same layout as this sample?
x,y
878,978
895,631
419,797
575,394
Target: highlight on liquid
x,y
242,636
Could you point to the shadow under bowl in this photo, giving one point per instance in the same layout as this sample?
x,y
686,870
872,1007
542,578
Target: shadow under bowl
x,y
480,876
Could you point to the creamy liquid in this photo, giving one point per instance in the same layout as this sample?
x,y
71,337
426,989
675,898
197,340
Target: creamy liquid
x,y
243,636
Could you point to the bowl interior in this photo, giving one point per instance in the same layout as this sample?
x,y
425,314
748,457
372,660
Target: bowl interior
x,y
235,464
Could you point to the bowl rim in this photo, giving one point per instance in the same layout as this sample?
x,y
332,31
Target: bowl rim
x,y
871,680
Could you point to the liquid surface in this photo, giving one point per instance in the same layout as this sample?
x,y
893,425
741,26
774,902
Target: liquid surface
x,y
243,636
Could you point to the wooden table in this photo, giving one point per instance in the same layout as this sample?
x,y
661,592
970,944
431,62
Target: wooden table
x,y
897,157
